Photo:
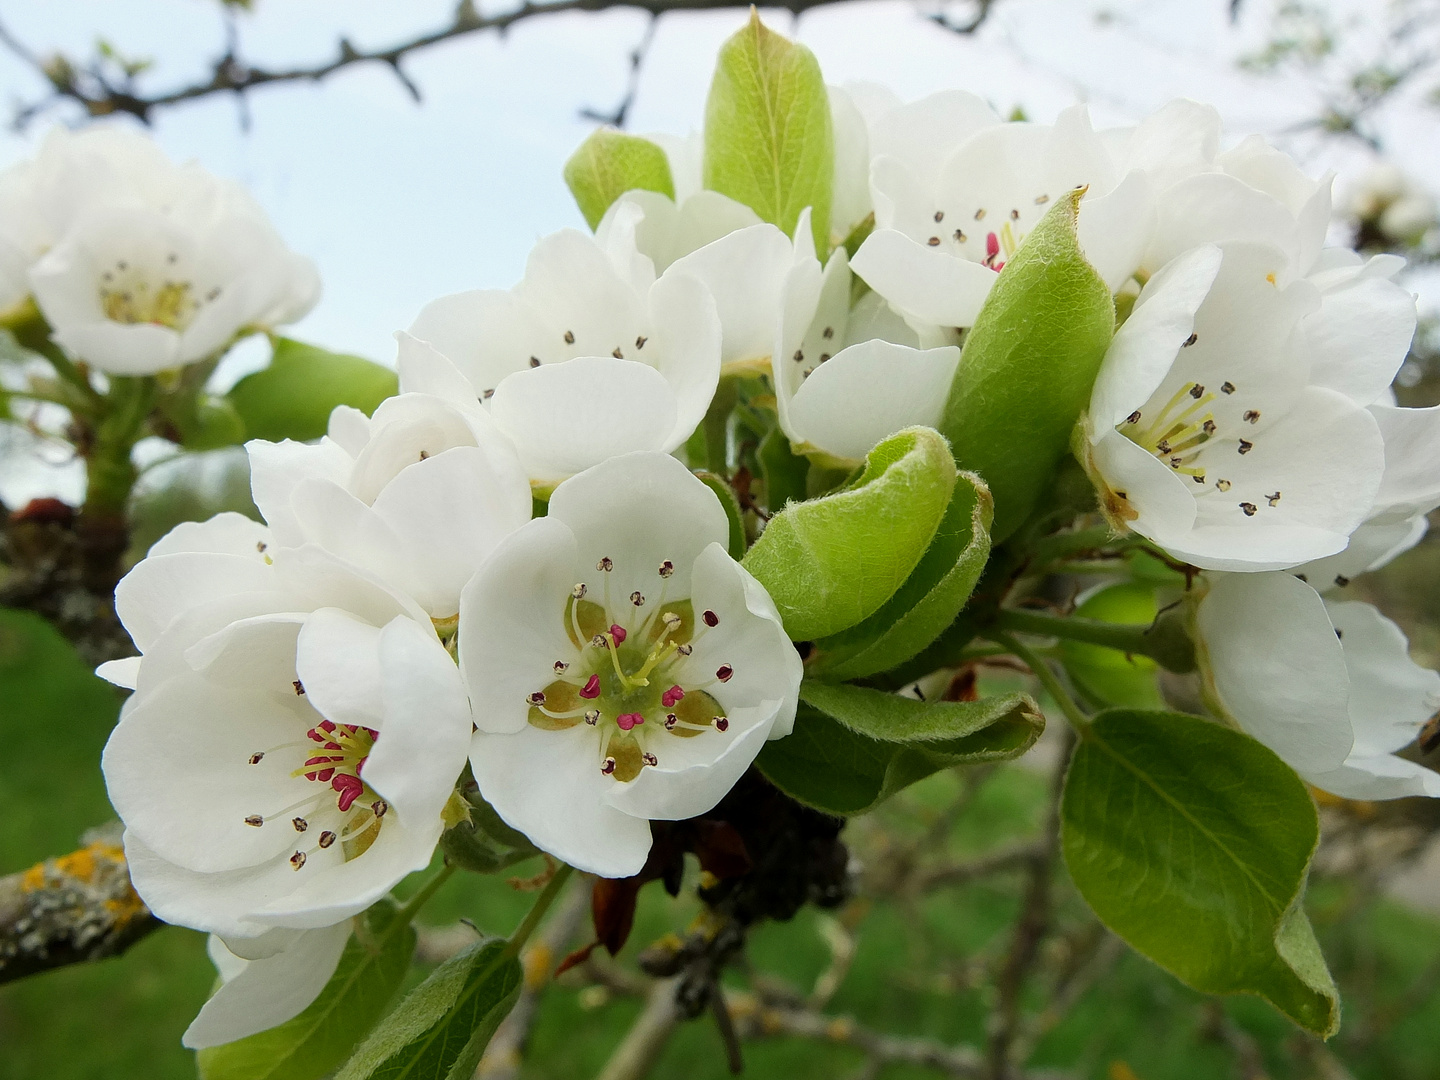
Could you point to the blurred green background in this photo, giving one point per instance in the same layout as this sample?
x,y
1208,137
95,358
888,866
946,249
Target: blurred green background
x,y
917,969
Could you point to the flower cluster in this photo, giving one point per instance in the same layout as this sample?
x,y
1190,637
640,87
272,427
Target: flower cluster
x,y
511,567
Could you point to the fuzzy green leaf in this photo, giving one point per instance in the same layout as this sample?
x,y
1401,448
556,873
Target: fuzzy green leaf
x,y
769,142
831,562
608,164
441,1028
929,600
853,747
1028,366
1192,842
314,1044
293,397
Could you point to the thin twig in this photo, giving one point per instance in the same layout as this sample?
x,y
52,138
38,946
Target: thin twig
x,y
632,86
99,93
645,1041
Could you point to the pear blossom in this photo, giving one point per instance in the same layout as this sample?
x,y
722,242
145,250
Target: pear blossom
x,y
265,981
1393,204
945,225
1206,433
1328,685
419,494
295,732
590,356
139,264
622,666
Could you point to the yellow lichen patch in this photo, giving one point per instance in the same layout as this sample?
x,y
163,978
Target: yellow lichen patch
x,y
125,908
79,865
33,879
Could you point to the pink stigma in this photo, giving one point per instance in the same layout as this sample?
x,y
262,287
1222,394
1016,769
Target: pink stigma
x,y
591,689
671,697
992,245
627,720
349,788
618,634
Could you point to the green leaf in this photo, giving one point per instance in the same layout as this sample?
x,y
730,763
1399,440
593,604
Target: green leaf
x,y
831,562
853,747
316,1042
1192,842
608,164
1108,676
768,137
929,600
484,844
1028,366
441,1028
726,494
203,421
293,397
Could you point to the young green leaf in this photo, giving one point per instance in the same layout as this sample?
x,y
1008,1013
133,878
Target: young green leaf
x,y
315,1043
833,561
608,164
854,747
929,600
782,470
1192,842
1028,365
293,397
769,142
441,1028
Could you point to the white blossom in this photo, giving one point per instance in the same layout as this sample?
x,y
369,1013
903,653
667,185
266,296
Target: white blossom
x,y
419,494
295,731
139,264
588,357
265,981
1328,685
1205,431
946,223
622,666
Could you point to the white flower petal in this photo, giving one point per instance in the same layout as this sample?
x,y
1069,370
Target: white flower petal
x,y
1114,229
1278,667
277,469
1411,483
269,991
548,785
925,282
1358,339
564,418
869,391
685,348
160,588
337,658
1145,347
424,369
513,614
744,272
124,672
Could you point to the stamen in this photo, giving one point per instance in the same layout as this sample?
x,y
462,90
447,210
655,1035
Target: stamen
x,y
1246,447
605,564
637,598
257,757
297,860
327,838
684,650
1133,418
934,241
537,698
299,688
578,590
591,689
255,820
721,723
560,667
626,721
709,618
670,698
670,721
592,717
939,216
1189,341
379,807
300,824
666,568
1223,485
569,337
607,766
640,341
960,236
1273,500
1249,508
723,672
1250,416
1227,387
649,758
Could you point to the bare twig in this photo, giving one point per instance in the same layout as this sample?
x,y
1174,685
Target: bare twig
x,y
1006,857
637,61
75,908
645,1041
96,88
979,12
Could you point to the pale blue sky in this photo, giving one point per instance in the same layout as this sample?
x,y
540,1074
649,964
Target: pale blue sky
x,y
400,203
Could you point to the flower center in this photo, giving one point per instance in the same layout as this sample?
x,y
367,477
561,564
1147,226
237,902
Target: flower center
x,y
982,236
337,803
631,676
129,295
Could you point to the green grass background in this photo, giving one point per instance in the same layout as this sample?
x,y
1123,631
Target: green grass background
x,y
122,1019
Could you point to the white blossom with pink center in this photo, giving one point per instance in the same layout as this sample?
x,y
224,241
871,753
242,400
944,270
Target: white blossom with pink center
x,y
622,666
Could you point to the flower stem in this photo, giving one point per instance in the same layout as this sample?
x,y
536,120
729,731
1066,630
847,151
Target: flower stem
x,y
426,891
110,474
537,911
1165,641
1046,675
